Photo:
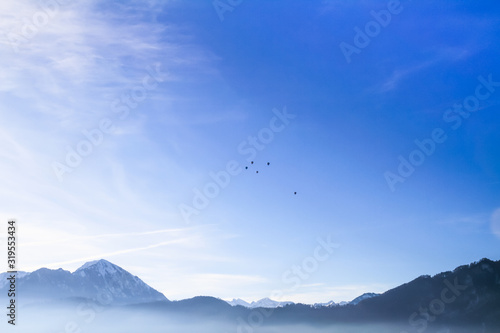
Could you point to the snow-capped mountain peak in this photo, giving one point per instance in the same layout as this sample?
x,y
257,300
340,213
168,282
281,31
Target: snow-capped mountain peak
x,y
262,303
118,283
269,303
327,304
98,279
239,301
363,297
102,267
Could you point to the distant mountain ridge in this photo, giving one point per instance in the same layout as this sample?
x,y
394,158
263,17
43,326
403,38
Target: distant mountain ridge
x,y
269,303
105,280
262,303
466,300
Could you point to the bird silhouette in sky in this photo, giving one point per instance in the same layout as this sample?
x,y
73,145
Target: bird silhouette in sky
x,y
257,171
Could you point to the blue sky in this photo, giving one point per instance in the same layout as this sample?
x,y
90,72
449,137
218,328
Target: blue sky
x,y
171,94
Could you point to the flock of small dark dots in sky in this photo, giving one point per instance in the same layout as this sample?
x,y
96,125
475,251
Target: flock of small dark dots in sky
x,y
257,171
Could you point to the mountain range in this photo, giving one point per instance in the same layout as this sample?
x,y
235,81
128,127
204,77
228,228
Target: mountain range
x,y
269,303
468,296
102,278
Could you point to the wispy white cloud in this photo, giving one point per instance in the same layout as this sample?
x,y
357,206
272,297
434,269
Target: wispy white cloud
x,y
399,74
111,254
495,222
62,80
439,54
73,238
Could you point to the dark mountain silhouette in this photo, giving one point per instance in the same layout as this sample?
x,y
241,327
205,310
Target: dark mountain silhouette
x,y
468,294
